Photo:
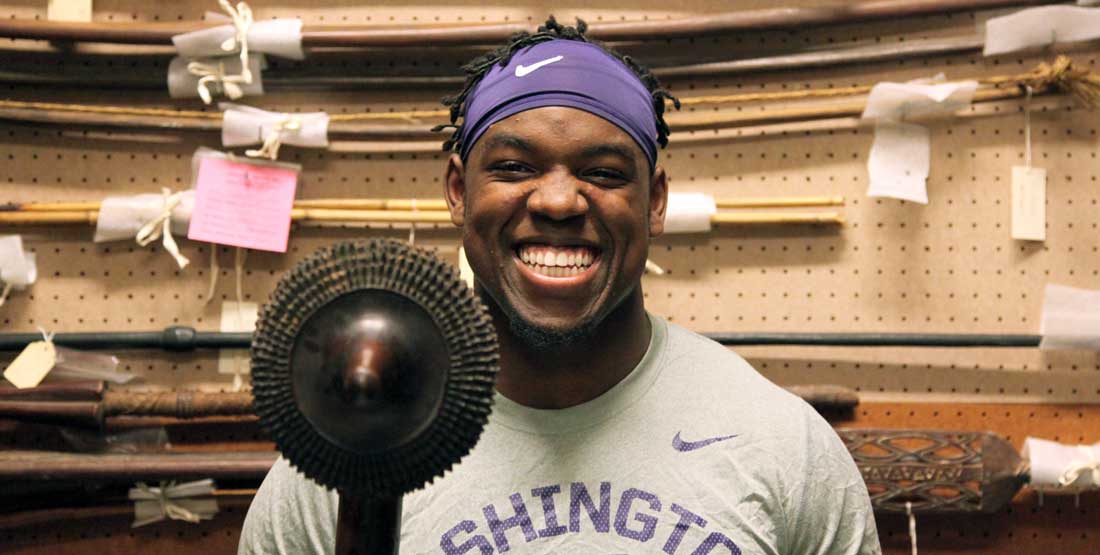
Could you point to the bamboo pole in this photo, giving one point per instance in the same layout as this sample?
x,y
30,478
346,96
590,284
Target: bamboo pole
x,y
307,215
492,33
433,204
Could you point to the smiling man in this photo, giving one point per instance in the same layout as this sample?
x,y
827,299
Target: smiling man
x,y
613,431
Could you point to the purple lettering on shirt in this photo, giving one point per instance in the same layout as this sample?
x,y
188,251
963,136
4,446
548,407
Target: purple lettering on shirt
x,y
498,527
712,541
649,522
549,511
687,518
578,495
447,542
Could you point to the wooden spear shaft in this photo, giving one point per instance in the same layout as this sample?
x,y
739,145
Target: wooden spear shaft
x,y
408,216
449,35
437,204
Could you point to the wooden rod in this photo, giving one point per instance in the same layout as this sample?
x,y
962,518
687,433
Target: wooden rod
x,y
493,33
24,466
433,204
729,218
407,216
776,202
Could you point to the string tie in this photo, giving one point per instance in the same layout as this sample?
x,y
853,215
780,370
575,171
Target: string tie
x,y
1091,465
273,139
912,527
161,227
210,74
168,507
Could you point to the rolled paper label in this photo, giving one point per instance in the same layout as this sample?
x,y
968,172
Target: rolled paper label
x,y
1061,468
245,125
122,217
898,101
184,84
689,213
1042,26
277,37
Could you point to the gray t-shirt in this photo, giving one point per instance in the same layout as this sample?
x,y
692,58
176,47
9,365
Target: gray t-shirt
x,y
693,453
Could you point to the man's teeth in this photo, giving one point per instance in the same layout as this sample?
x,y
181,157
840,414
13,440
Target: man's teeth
x,y
557,261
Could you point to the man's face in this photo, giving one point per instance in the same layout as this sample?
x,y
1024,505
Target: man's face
x,y
557,207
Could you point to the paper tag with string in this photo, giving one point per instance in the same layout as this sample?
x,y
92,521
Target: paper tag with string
x,y
1029,190
33,364
236,317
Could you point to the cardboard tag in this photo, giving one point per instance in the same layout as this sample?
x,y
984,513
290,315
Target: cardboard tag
x,y
243,204
234,361
31,366
69,10
1029,198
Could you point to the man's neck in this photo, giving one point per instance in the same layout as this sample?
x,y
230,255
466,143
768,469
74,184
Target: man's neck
x,y
580,371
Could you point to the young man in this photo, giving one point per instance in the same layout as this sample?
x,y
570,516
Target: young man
x,y
613,431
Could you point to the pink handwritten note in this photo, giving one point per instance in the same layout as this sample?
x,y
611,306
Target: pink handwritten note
x,y
242,204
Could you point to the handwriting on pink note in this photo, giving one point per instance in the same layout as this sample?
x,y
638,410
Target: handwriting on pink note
x,y
243,204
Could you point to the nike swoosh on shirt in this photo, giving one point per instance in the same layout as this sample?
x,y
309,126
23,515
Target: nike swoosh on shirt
x,y
522,70
685,446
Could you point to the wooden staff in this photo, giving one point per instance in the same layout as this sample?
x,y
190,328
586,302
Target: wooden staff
x,y
94,413
333,77
107,508
1060,76
55,404
36,466
450,35
324,215
434,204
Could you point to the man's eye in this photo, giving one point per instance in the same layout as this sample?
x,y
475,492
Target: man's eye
x,y
510,167
606,175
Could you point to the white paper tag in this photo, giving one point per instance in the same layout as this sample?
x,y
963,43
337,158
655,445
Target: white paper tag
x,y
245,125
1029,197
235,361
122,217
278,37
1050,461
1040,26
183,84
689,213
31,366
1070,319
69,10
897,101
899,162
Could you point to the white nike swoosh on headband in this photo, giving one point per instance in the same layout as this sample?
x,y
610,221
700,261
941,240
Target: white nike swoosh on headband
x,y
522,70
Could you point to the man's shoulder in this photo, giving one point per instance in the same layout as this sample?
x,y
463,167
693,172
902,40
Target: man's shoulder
x,y
722,382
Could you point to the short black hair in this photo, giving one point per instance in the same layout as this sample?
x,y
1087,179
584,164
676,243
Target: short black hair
x,y
551,30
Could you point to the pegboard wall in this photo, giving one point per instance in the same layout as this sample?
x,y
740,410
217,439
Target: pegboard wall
x,y
947,267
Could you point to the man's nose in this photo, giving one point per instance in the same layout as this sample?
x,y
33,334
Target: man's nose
x,y
558,196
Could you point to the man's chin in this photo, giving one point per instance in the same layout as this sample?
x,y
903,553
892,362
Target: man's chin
x,y
543,337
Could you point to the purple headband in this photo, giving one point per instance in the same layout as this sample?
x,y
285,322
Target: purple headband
x,y
563,73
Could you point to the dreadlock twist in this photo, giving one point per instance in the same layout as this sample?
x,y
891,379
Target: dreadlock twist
x,y
551,30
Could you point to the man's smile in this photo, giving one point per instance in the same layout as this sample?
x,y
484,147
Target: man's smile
x,y
557,265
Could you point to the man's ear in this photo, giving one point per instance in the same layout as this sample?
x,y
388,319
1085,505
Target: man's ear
x,y
455,189
658,202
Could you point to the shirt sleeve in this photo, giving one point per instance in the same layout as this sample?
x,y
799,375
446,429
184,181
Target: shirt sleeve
x,y
828,507
290,515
